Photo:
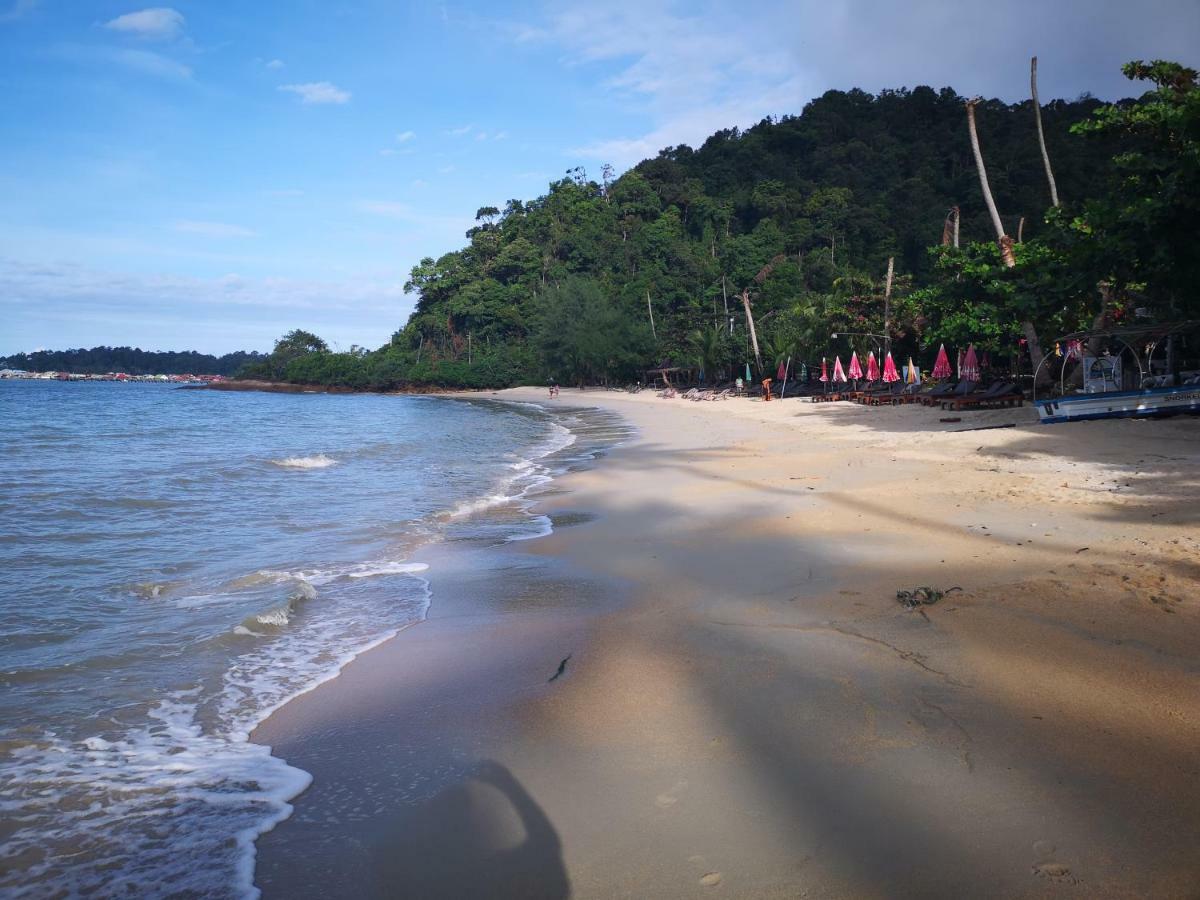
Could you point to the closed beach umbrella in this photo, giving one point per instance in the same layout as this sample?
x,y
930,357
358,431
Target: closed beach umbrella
x,y
855,370
747,373
914,377
824,369
941,368
781,372
890,374
872,367
839,374
970,365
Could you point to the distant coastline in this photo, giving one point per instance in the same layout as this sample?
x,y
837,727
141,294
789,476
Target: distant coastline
x,y
287,387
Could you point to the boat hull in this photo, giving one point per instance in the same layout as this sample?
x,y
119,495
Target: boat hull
x,y
1120,405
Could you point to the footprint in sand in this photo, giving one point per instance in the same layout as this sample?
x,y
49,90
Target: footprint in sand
x,y
1048,868
667,799
710,879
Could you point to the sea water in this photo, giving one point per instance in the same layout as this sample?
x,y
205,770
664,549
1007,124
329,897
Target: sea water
x,y
175,564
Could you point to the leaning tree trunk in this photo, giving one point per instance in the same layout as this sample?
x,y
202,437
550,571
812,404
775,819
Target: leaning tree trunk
x,y
887,305
1005,242
1002,239
1037,114
750,325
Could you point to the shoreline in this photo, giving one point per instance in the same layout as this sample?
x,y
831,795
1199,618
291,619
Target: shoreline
x,y
746,703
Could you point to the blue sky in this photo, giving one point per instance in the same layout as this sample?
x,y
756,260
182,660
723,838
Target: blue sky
x,y
208,175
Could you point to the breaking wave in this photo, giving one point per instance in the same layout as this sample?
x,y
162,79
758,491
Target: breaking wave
x,y
319,461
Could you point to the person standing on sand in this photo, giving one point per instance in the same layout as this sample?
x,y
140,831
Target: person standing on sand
x,y
766,383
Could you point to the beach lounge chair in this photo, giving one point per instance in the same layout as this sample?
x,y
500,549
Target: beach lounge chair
x,y
936,396
900,393
1001,393
887,394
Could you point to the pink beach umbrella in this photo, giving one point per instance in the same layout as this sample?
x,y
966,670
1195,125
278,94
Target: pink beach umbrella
x,y
855,370
839,374
969,369
781,372
941,368
890,375
824,370
872,367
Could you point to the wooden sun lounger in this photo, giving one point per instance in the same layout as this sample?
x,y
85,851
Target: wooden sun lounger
x,y
999,394
936,396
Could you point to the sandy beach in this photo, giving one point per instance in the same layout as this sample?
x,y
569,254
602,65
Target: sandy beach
x,y
746,710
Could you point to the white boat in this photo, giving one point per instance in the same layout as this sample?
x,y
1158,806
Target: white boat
x,y
1162,401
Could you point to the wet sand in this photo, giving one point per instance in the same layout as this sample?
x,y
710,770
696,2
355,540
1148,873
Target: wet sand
x,y
747,710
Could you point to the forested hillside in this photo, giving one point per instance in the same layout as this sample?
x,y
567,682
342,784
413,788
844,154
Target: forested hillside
x,y
130,360
602,278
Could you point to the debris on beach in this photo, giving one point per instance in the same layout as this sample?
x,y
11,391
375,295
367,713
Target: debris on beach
x,y
562,667
922,596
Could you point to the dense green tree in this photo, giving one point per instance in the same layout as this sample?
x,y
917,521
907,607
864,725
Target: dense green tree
x,y
594,281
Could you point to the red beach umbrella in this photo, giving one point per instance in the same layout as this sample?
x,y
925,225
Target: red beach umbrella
x,y
839,374
970,365
941,368
824,370
781,372
872,367
855,370
890,374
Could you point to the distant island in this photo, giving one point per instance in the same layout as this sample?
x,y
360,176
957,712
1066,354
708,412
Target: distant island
x,y
130,361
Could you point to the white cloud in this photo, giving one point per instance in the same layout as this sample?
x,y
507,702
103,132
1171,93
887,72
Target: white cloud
x,y
445,170
481,136
499,135
387,151
404,212
460,131
689,69
718,69
18,9
391,208
419,182
156,23
405,136
151,64
211,229
275,64
146,62
317,92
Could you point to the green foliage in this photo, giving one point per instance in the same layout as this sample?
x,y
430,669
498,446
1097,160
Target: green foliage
x,y
801,214
1143,228
584,335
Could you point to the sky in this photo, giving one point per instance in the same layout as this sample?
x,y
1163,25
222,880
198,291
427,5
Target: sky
x,y
209,175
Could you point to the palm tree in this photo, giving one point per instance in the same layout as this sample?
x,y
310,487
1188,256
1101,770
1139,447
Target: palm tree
x,y
710,349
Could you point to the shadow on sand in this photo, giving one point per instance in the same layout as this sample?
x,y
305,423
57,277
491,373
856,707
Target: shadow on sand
x,y
483,836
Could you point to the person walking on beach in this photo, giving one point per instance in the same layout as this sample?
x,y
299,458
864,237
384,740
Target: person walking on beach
x,y
766,383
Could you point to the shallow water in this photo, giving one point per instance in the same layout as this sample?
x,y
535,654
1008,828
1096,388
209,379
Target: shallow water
x,y
176,564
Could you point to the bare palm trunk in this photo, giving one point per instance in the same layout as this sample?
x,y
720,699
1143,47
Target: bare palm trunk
x,y
1021,230
650,309
1002,239
950,229
750,325
887,305
1005,242
1037,114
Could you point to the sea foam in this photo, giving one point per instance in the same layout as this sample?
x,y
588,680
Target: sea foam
x,y
319,461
